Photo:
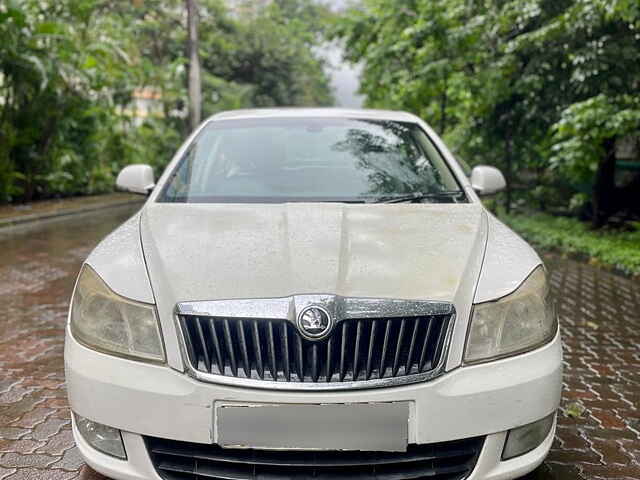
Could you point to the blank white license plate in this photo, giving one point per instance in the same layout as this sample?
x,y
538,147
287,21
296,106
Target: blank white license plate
x,y
360,426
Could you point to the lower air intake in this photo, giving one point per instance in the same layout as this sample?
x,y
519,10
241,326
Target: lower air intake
x,y
174,460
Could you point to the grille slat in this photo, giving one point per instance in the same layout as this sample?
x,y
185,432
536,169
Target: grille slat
x,y
370,352
216,345
271,347
357,350
203,344
330,349
230,347
383,355
175,460
286,369
425,347
191,351
396,359
412,347
439,343
299,357
244,351
343,351
315,364
257,349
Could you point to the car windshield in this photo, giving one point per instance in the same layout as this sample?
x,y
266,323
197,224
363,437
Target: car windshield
x,y
311,160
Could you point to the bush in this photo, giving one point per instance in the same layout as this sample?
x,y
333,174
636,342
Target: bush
x,y
70,71
613,248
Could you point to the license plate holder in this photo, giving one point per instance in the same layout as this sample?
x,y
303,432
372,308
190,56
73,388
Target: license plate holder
x,y
380,426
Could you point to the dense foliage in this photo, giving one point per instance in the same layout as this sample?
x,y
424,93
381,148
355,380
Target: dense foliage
x,y
70,70
610,248
544,89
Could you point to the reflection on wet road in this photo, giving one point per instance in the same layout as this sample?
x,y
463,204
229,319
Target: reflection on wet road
x,y
599,426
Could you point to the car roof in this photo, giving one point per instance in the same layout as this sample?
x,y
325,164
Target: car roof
x,y
316,112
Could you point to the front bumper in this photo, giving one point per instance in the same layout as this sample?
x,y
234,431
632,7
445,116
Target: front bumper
x,y
144,399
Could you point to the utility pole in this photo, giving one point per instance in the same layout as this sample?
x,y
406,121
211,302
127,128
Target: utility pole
x,y
195,85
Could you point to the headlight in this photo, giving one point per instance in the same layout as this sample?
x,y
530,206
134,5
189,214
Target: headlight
x,y
102,320
514,324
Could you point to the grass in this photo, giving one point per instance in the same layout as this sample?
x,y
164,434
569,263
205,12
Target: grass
x,y
608,247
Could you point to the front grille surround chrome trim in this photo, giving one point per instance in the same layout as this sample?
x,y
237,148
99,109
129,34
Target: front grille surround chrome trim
x,y
341,308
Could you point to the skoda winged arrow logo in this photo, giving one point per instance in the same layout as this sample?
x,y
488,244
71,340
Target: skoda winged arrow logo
x,y
314,322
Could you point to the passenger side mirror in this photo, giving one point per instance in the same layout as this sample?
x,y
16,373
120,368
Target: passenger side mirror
x,y
136,179
487,180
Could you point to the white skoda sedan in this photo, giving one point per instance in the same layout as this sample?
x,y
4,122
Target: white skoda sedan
x,y
313,294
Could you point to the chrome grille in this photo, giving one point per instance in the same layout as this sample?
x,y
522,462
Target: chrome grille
x,y
362,349
174,460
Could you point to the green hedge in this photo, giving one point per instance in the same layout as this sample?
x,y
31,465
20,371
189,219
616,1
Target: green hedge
x,y
613,248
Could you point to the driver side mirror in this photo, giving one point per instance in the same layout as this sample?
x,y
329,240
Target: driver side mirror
x,y
136,179
487,180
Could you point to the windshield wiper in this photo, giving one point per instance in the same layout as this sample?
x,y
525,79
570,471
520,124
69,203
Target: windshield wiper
x,y
418,196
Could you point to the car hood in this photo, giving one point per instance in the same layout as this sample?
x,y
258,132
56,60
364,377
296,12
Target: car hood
x,y
404,251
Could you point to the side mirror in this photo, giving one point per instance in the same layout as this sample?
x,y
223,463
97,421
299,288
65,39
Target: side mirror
x,y
487,180
136,179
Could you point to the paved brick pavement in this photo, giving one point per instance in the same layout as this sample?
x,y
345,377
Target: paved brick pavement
x,y
600,318
599,425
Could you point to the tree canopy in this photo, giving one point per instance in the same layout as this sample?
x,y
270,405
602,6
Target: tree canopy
x,y
73,72
544,89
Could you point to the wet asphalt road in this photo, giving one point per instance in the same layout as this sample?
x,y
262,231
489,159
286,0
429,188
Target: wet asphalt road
x,y
599,313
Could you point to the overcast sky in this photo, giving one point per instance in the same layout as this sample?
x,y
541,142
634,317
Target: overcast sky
x,y
344,78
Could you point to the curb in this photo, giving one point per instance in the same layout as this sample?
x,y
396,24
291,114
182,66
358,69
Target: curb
x,y
36,217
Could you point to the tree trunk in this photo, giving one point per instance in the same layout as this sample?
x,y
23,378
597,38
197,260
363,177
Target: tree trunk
x,y
195,86
629,196
604,193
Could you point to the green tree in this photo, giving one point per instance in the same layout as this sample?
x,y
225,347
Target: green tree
x,y
69,71
496,77
59,76
272,51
